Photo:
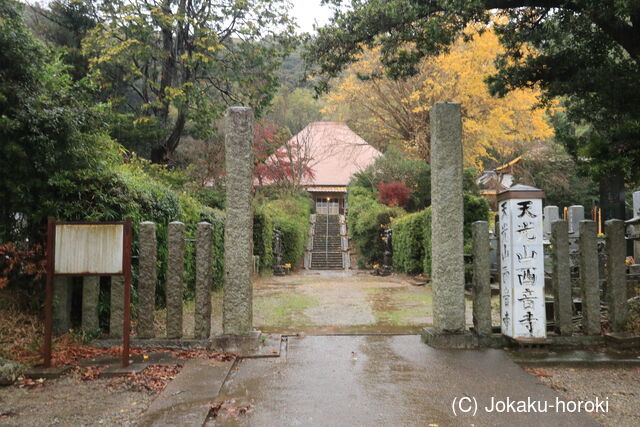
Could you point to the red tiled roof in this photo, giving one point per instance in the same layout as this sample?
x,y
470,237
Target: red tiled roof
x,y
337,153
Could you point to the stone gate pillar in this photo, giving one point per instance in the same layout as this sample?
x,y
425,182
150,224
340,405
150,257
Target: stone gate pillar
x,y
238,230
447,218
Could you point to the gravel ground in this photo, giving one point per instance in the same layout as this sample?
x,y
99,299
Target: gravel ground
x,y
72,402
621,385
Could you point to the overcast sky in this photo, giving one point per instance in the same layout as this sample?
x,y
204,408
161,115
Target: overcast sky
x,y
306,12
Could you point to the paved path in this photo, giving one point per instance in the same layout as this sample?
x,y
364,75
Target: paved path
x,y
381,380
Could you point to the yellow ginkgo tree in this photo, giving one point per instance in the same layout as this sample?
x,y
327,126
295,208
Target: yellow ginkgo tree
x,y
396,112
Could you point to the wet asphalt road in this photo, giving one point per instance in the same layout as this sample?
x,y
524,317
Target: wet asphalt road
x,y
383,380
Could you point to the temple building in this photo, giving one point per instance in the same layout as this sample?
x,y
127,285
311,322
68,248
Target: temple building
x,y
332,153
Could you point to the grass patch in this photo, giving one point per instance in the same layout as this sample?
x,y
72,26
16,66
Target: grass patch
x,y
283,309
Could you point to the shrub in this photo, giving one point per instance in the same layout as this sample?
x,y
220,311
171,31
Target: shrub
x,y
393,193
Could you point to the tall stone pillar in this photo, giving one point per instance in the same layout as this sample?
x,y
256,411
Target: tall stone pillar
x,y
147,279
447,218
238,232
90,297
204,275
175,279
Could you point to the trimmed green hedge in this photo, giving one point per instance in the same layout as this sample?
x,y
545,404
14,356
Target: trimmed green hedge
x,y
368,219
408,241
412,235
290,215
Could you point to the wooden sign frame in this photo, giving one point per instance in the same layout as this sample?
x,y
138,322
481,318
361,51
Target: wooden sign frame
x,y
127,239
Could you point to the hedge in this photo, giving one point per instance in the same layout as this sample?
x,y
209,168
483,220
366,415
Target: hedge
x,y
412,235
289,214
367,221
408,241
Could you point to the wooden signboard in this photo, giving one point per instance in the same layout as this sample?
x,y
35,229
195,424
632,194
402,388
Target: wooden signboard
x,y
88,249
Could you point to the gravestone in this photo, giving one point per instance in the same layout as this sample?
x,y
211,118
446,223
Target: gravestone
x,y
550,214
447,218
238,232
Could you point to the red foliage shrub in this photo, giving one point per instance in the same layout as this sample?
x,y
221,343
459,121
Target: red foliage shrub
x,y
18,264
393,193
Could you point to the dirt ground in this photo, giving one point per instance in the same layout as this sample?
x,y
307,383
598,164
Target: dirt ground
x,y
72,402
326,302
619,385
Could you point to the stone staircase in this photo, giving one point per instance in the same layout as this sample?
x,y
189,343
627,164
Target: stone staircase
x,y
327,250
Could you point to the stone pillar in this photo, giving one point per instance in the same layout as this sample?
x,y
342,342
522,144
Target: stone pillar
x,y
90,297
522,306
147,279
561,278
481,279
204,276
116,318
550,214
616,274
62,290
447,218
589,278
238,232
175,279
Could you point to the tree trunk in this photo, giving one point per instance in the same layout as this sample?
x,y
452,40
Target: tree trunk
x,y
612,196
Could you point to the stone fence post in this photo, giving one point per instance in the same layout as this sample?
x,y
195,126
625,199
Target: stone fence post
x,y
147,279
204,275
90,297
561,277
481,279
116,318
589,278
616,274
175,279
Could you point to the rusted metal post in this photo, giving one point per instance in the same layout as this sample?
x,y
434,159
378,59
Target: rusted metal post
x,y
48,302
126,267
